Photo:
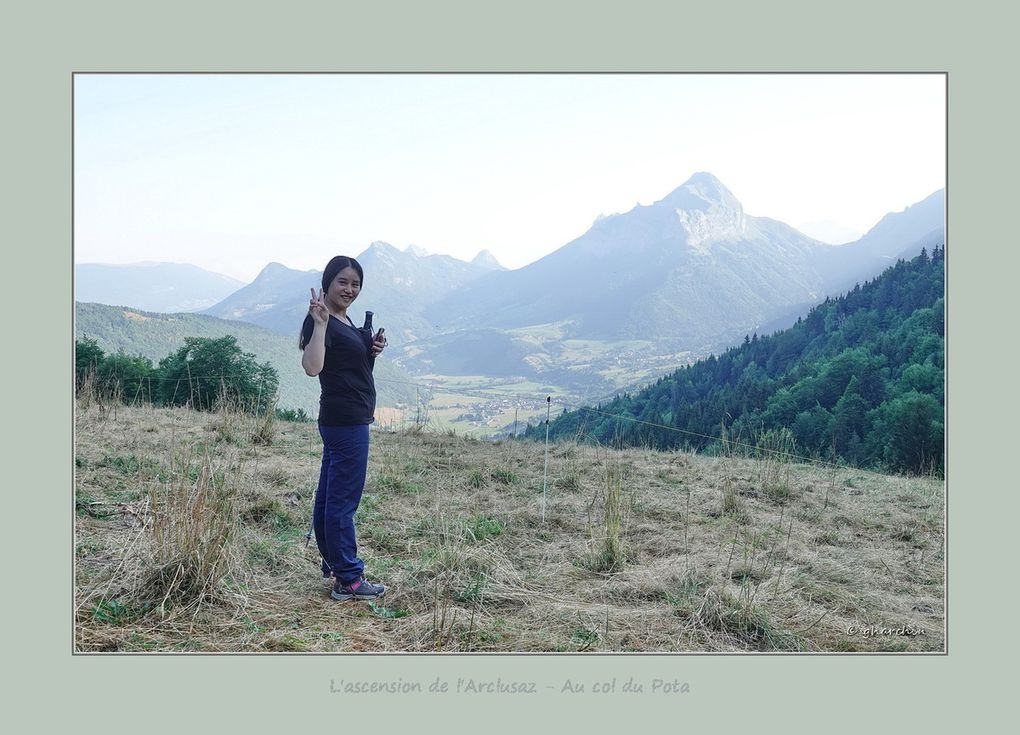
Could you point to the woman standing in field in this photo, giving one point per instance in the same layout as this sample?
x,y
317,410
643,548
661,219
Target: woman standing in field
x,y
342,356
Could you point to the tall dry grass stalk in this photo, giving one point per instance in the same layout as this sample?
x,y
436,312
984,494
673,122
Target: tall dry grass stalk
x,y
264,429
774,450
230,417
193,524
105,396
606,550
730,502
614,513
87,392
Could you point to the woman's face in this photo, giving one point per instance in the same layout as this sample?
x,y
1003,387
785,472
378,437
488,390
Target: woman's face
x,y
344,288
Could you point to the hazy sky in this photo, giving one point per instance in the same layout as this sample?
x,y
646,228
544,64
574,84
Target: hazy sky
x,y
230,172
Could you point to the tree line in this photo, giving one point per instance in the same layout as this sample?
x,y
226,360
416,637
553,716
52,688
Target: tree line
x,y
203,373
859,379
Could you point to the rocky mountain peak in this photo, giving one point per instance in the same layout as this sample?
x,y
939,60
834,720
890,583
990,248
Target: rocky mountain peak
x,y
273,271
706,209
485,259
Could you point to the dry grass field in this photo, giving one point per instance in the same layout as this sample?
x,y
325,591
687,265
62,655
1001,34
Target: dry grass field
x,y
190,536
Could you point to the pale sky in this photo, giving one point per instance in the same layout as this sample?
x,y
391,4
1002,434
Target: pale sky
x,y
231,172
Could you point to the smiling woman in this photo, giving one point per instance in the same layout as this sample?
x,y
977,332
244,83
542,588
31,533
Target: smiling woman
x,y
343,359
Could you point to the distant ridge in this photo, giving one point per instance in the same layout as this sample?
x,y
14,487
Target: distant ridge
x,y
165,287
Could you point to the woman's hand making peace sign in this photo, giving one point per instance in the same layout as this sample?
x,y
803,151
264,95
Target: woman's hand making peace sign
x,y
317,308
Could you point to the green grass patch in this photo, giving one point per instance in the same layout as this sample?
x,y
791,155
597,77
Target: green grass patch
x,y
473,591
86,505
570,483
125,495
286,643
391,483
382,538
830,537
115,612
269,512
482,528
584,637
385,612
88,548
128,464
368,510
139,642
507,477
268,554
684,595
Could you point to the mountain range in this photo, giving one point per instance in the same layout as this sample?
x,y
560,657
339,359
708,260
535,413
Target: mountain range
x,y
689,274
692,270
398,284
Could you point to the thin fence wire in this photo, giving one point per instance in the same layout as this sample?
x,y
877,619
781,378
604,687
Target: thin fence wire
x,y
436,388
522,398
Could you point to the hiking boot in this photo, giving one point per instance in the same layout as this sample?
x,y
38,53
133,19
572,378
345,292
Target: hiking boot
x,y
359,589
327,580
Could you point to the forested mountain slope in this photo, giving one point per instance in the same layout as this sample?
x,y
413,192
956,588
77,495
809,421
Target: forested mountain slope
x,y
860,377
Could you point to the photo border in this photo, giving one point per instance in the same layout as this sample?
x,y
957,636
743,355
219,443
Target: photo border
x,y
916,691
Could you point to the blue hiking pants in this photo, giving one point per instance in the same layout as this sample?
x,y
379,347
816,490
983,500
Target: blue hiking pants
x,y
341,482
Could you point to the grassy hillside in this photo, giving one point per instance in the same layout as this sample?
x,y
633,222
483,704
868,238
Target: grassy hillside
x,y
189,536
155,335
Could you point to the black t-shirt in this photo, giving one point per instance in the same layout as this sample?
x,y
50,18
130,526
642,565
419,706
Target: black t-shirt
x,y
348,390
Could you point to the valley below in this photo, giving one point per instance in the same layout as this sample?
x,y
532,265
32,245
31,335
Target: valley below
x,y
453,392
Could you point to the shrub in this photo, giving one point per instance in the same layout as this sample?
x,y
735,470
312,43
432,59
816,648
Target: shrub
x,y
206,371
